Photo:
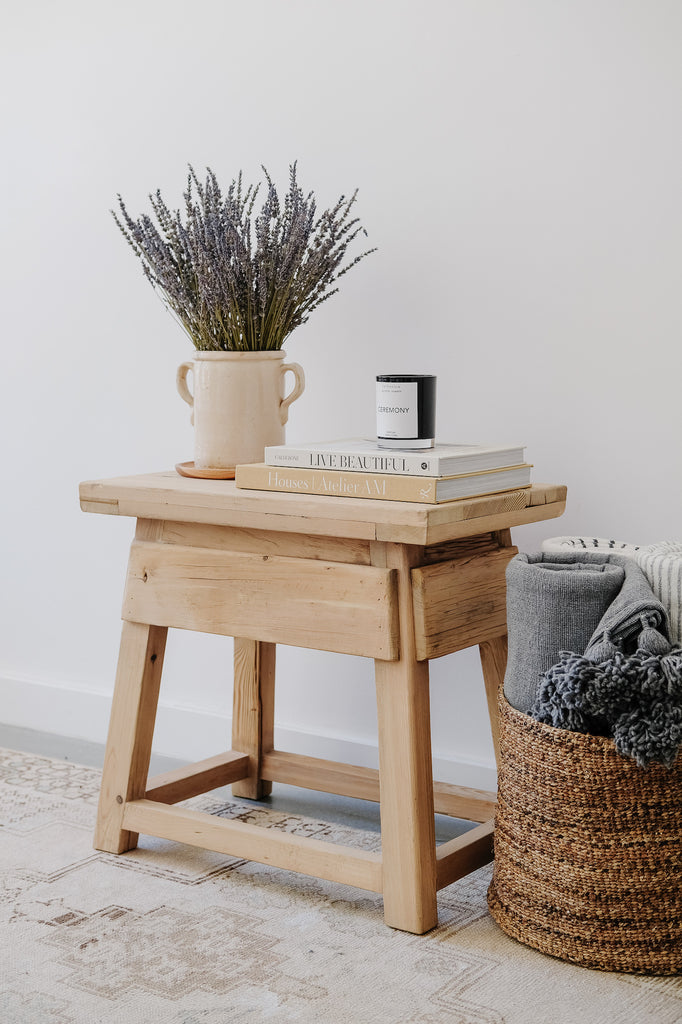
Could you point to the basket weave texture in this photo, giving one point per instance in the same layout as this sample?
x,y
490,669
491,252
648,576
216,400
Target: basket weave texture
x,y
588,850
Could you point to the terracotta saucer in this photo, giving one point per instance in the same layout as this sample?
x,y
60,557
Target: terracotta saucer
x,y
189,469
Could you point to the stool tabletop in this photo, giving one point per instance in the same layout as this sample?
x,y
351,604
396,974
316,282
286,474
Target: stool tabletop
x,y
169,496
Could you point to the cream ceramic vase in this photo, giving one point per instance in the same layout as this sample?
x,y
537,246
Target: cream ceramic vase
x,y
238,404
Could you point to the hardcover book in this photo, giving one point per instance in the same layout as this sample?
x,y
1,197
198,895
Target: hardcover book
x,y
388,486
359,455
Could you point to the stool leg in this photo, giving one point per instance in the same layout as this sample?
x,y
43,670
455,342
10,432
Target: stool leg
x,y
493,654
131,729
494,662
253,711
408,841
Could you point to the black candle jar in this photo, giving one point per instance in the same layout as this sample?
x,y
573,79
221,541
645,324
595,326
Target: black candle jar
x,y
406,410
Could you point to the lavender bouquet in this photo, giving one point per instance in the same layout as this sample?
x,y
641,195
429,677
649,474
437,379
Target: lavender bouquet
x,y
236,283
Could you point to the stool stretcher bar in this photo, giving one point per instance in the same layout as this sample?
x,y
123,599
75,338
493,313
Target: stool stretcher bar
x,y
461,856
194,779
253,842
363,784
454,859
332,861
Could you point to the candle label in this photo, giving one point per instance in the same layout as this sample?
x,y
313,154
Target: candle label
x,y
397,409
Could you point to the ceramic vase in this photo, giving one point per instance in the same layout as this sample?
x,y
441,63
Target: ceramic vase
x,y
239,406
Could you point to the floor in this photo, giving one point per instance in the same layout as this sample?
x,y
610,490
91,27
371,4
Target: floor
x,y
342,810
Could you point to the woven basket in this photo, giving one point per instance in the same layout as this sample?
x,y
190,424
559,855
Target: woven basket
x,y
588,850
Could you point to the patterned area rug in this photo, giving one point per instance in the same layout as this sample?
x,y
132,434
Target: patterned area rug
x,y
173,934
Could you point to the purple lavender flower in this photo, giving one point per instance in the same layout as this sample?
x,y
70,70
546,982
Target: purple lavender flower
x,y
237,282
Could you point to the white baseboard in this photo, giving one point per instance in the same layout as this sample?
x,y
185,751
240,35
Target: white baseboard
x,y
192,733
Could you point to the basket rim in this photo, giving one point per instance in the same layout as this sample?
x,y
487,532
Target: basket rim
x,y
587,742
554,731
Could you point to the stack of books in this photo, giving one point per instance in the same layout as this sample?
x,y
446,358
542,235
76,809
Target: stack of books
x,y
357,468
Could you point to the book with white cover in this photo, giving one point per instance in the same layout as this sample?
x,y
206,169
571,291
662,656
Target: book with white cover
x,y
362,455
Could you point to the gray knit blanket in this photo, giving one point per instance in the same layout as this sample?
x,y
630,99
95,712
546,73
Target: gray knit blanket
x,y
589,651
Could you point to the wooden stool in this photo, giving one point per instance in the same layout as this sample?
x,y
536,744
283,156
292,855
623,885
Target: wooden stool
x,y
394,581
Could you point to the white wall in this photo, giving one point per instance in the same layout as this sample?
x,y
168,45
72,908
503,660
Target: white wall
x,y
519,168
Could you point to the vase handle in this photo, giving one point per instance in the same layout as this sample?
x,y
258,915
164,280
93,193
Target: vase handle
x,y
181,382
295,393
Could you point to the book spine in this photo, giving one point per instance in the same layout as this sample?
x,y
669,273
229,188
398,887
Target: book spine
x,y
348,485
350,462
